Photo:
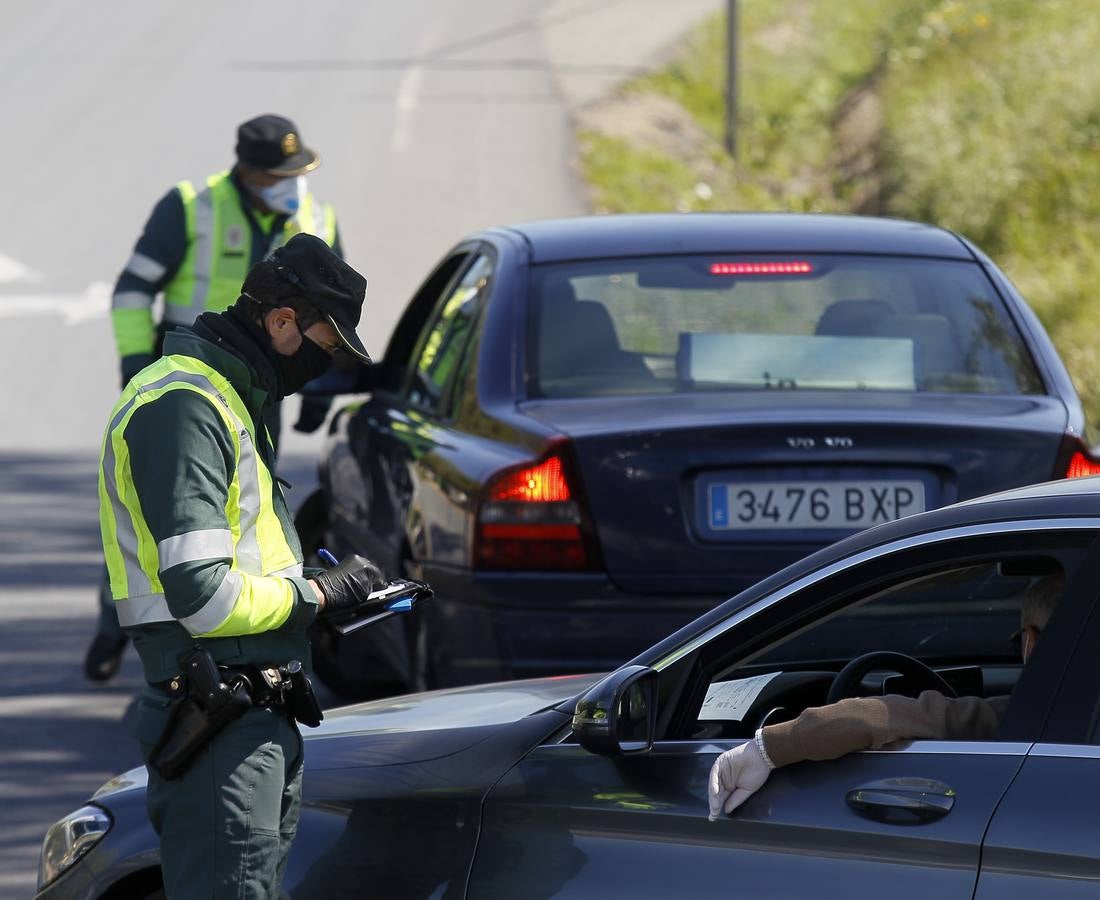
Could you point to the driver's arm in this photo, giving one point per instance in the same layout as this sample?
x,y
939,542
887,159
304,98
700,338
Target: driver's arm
x,y
861,723
867,723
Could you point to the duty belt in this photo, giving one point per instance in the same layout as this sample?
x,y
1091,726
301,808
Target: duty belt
x,y
268,686
206,698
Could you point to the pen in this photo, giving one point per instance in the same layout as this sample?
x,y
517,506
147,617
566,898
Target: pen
x,y
328,557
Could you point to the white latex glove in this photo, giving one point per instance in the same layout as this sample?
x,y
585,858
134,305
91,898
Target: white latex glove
x,y
735,776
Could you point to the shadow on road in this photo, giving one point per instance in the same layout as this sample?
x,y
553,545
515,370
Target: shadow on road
x,y
49,516
49,520
63,736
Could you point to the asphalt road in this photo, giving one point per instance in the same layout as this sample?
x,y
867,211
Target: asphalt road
x,y
433,118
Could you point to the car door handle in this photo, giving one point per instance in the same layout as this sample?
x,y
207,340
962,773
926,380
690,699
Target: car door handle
x,y
903,801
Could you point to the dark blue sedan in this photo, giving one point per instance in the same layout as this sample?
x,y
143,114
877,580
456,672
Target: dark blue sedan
x,y
586,432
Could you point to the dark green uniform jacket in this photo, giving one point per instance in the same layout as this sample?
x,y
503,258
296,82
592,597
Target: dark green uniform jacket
x,y
182,460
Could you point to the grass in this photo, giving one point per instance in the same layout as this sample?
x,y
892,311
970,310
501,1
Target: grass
x,y
979,115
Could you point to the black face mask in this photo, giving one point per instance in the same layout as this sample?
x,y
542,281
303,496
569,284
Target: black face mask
x,y
308,362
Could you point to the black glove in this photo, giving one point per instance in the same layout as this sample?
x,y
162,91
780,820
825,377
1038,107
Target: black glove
x,y
134,363
312,413
349,583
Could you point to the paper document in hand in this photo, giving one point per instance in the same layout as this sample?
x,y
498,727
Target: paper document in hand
x,y
728,700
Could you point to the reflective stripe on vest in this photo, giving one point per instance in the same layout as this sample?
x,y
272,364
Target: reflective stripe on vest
x,y
254,540
219,246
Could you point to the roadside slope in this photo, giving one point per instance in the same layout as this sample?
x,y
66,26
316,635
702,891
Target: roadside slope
x,y
982,117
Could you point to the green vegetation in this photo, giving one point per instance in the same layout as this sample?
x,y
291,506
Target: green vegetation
x,y
983,117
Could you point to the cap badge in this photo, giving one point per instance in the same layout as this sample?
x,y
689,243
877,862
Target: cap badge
x,y
291,144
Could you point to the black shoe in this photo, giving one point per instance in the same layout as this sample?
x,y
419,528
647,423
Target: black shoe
x,y
104,657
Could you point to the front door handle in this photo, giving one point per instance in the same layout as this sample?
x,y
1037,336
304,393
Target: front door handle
x,y
903,801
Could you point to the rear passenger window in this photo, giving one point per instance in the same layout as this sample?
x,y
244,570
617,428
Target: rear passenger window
x,y
447,337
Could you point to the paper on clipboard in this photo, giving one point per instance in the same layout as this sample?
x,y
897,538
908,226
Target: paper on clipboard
x,y
730,700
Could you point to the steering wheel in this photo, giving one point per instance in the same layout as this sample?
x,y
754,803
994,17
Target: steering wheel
x,y
848,678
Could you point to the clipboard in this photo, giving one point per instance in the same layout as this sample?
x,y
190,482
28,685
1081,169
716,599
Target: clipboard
x,y
398,597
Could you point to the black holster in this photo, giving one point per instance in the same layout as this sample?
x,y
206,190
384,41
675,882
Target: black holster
x,y
301,702
203,708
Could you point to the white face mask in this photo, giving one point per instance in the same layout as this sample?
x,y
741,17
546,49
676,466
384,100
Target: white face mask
x,y
285,195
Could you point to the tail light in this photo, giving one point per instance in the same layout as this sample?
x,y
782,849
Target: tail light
x,y
532,518
1080,463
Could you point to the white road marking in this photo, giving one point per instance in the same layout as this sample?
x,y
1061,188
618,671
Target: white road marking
x,y
94,303
408,92
13,270
53,706
405,105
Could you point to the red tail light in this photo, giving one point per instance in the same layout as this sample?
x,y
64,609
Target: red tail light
x,y
1075,460
1081,466
532,519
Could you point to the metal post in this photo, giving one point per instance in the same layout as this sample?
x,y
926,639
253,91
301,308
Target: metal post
x,y
731,77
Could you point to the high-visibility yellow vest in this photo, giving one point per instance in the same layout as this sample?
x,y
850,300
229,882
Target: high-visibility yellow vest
x,y
254,540
219,247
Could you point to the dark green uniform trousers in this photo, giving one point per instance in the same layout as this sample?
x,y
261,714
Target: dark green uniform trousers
x,y
226,824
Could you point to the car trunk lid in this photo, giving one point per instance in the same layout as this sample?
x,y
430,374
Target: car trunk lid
x,y
655,493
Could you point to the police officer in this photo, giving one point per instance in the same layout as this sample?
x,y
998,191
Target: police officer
x,y
195,250
201,552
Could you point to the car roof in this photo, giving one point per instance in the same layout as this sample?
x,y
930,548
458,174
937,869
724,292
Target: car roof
x,y
595,237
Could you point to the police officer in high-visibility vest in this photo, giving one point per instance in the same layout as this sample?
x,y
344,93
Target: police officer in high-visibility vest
x,y
196,248
206,569
201,240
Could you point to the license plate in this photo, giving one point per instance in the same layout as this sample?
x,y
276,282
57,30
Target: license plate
x,y
760,505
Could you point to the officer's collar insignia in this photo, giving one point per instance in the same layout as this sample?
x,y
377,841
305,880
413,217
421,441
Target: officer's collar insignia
x,y
290,144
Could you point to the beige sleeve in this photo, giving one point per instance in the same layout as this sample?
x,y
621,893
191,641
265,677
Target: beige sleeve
x,y
864,723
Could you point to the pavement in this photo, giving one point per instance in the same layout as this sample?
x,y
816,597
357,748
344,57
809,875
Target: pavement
x,y
432,121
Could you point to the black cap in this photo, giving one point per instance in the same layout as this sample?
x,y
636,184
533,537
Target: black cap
x,y
272,144
328,282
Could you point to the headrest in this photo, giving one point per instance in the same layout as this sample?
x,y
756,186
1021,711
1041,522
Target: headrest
x,y
853,318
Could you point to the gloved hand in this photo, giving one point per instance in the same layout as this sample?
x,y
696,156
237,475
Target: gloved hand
x,y
134,363
349,583
735,776
312,412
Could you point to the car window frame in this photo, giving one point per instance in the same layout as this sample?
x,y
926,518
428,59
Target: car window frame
x,y
686,672
406,334
1078,690
444,411
1026,321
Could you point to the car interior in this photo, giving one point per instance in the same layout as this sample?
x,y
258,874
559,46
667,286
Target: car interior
x,y
951,630
577,340
621,327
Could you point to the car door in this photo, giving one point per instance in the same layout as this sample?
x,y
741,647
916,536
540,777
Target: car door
x,y
1044,840
407,419
567,823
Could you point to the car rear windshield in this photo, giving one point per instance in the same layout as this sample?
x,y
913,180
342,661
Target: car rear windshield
x,y
695,323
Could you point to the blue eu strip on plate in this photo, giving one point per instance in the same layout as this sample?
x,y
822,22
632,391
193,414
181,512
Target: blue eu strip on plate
x,y
718,499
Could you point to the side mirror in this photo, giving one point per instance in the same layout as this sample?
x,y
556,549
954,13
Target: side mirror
x,y
618,716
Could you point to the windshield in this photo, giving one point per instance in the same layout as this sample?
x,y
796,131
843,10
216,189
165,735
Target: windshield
x,y
693,323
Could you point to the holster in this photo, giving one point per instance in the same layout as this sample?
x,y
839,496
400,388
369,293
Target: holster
x,y
203,709
301,702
